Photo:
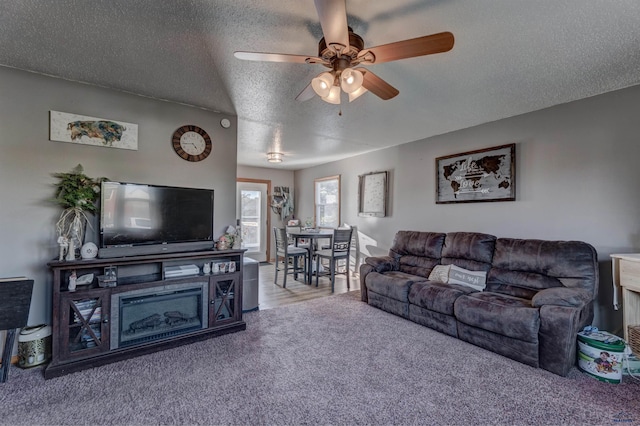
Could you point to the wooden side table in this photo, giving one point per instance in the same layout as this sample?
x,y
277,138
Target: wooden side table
x,y
626,274
15,301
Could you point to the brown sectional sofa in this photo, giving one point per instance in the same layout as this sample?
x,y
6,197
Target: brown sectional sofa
x,y
538,293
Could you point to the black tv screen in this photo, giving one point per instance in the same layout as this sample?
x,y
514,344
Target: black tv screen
x,y
145,219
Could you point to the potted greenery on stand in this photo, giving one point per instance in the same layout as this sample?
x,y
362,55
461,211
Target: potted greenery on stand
x,y
77,194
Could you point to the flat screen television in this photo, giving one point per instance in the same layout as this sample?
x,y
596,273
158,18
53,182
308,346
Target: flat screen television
x,y
138,219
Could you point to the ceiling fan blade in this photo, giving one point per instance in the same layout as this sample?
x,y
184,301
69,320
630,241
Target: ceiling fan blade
x,y
420,46
277,57
377,86
306,94
333,19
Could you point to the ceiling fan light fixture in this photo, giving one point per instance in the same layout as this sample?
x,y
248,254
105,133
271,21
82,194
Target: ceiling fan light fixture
x,y
274,157
357,93
323,83
351,80
334,96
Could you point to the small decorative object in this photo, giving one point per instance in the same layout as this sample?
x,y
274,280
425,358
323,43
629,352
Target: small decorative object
x,y
65,127
63,242
85,279
483,175
308,223
206,268
191,143
89,251
77,194
71,251
215,267
232,266
282,202
223,243
372,194
72,280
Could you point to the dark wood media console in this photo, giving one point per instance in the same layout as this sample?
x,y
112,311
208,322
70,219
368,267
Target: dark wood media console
x,y
96,325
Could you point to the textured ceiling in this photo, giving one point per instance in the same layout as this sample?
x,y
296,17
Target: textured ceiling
x,y
510,57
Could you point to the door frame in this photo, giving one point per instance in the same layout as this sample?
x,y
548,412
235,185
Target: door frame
x,y
268,209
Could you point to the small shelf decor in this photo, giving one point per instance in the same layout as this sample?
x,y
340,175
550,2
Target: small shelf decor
x,y
77,194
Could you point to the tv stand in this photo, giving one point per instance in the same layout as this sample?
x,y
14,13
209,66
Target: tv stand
x,y
92,326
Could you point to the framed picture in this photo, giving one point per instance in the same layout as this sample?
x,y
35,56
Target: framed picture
x,y
84,130
372,194
483,175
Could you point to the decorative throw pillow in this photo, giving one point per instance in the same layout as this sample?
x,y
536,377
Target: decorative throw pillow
x,y
440,273
474,279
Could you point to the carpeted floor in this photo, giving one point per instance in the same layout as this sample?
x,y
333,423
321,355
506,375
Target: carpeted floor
x,y
330,361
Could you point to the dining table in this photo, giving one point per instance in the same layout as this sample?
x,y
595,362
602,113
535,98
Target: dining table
x,y
313,235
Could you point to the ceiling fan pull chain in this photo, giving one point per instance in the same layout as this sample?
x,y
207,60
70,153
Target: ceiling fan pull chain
x,y
340,112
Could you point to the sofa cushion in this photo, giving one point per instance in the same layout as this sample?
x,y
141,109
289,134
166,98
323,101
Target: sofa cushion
x,y
562,296
468,250
436,296
394,284
502,314
521,268
416,253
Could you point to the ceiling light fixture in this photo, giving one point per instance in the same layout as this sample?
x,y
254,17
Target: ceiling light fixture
x,y
327,86
274,157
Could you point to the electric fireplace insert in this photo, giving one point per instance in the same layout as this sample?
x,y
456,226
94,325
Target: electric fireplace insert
x,y
146,315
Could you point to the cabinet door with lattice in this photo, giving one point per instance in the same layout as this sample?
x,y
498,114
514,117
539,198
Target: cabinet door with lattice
x,y
84,323
223,300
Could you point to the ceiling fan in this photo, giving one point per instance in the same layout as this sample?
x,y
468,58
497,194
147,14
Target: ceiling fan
x,y
343,51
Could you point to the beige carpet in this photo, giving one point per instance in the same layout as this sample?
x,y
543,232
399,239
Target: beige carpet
x,y
331,361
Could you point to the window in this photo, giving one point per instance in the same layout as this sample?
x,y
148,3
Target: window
x,y
327,202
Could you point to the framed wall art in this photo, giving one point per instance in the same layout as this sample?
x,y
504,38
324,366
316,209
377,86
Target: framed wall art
x,y
372,194
81,129
483,175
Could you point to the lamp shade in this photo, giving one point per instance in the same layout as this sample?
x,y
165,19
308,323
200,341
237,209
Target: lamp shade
x,y
322,84
351,80
334,96
356,94
274,157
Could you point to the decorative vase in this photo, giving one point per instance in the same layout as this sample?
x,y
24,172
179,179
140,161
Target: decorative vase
x,y
71,225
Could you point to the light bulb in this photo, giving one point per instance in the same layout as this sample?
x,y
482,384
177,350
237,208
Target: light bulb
x,y
322,83
351,80
334,96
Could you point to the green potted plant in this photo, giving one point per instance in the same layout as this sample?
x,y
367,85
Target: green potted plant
x,y
77,194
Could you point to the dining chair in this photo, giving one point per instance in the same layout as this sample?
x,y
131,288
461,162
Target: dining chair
x,y
286,252
355,247
292,241
340,248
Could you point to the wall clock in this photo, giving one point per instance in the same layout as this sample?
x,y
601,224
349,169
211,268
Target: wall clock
x,y
191,143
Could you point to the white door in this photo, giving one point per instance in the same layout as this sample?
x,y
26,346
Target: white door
x,y
252,205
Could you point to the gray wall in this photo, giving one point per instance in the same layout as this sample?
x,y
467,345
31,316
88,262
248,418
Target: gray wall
x,y
277,178
28,158
577,178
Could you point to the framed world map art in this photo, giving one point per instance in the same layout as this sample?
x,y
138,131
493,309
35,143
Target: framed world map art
x,y
475,176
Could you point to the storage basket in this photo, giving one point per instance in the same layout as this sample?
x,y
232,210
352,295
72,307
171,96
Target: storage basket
x,y
634,339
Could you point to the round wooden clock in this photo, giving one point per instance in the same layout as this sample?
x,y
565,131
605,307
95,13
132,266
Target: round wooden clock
x,y
191,143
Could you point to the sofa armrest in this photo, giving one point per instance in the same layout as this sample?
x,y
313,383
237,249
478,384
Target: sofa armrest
x,y
381,264
562,296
